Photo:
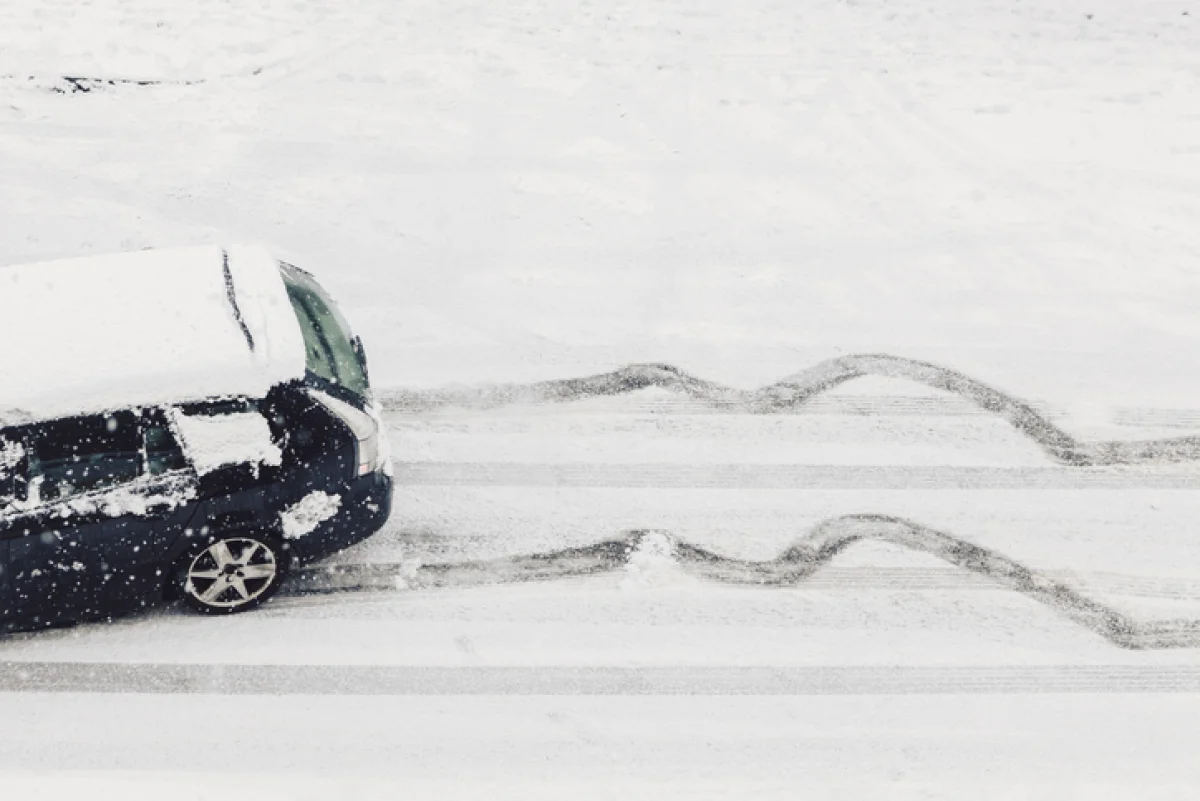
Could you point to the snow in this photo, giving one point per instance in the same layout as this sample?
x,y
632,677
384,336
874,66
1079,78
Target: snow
x,y
11,454
527,191
212,441
137,498
993,748
155,41
303,517
652,564
151,327
741,192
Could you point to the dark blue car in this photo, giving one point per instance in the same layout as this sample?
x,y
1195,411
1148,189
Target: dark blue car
x,y
209,496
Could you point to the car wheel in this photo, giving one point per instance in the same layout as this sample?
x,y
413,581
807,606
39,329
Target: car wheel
x,y
232,573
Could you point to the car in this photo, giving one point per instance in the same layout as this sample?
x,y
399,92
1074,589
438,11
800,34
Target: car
x,y
188,423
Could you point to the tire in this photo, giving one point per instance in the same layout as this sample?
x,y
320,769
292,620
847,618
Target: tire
x,y
231,573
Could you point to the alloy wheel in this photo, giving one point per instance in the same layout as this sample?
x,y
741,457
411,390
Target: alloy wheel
x,y
232,573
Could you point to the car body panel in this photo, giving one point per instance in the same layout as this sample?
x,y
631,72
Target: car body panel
x,y
82,559
7,610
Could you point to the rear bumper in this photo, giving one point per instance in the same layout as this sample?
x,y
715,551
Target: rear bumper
x,y
365,506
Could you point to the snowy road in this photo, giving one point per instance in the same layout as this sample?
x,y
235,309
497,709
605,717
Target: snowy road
x,y
1000,747
635,686
316,680
528,190
889,667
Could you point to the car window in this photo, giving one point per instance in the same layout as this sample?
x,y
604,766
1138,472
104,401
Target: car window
x,y
163,453
328,340
81,454
319,359
336,335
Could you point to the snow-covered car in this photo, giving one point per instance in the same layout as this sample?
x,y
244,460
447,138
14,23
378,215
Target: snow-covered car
x,y
187,423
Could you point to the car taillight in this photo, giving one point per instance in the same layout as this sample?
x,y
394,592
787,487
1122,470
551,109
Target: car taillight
x,y
367,428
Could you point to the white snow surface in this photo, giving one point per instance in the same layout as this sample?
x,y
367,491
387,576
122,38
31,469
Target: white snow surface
x,y
142,328
303,517
215,441
528,190
742,190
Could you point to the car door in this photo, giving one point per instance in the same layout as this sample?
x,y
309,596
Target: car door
x,y
106,497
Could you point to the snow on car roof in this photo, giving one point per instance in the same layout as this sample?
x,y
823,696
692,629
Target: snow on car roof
x,y
137,329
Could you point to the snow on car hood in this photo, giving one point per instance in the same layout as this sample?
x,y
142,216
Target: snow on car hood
x,y
144,328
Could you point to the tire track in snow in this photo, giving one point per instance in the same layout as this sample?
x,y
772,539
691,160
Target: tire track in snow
x,y
796,390
225,679
266,74
86,84
782,476
794,566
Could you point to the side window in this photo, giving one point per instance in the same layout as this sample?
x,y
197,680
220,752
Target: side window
x,y
163,453
77,455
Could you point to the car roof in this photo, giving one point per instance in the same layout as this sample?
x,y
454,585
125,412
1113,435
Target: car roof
x,y
151,327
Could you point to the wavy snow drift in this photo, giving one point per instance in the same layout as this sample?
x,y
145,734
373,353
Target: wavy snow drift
x,y
792,567
794,391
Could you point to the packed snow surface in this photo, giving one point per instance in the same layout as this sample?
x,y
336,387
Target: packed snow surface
x,y
541,190
134,329
518,191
